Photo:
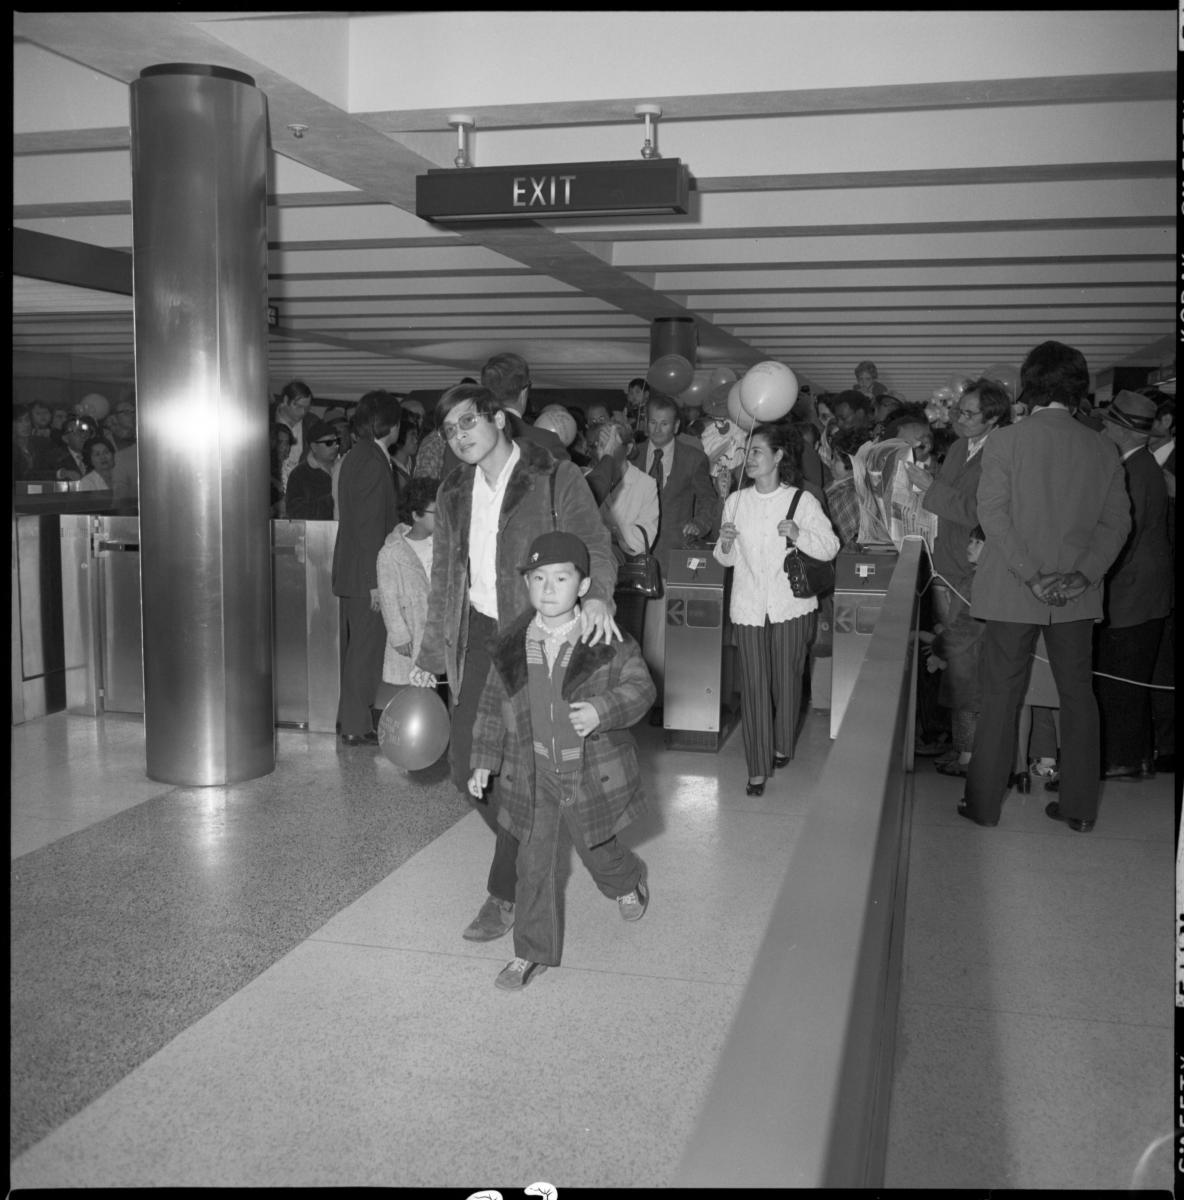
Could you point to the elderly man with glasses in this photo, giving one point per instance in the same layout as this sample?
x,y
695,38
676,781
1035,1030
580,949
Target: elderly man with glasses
x,y
488,512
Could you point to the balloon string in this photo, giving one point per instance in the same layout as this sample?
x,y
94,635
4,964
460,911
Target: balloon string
x,y
734,485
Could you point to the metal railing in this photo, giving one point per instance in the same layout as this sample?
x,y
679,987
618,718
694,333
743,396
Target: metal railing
x,y
800,1095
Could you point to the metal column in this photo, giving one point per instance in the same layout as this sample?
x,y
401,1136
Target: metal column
x,y
199,209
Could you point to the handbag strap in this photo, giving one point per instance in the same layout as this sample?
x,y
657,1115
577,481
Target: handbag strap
x,y
645,541
793,507
554,514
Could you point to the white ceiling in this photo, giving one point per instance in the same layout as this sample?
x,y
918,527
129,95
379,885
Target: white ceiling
x,y
935,191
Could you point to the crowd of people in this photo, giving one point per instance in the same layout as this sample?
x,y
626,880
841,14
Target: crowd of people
x,y
479,547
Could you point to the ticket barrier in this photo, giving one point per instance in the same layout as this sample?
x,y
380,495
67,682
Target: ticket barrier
x,y
700,705
862,575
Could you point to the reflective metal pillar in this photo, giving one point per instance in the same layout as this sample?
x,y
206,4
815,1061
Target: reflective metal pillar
x,y
199,214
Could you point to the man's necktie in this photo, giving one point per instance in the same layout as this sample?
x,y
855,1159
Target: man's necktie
x,y
656,469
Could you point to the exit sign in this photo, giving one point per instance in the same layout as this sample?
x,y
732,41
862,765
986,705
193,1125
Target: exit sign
x,y
597,189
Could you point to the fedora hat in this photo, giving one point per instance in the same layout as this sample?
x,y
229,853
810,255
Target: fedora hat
x,y
1131,411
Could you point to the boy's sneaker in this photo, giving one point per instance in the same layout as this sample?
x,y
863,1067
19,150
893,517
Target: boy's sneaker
x,y
634,903
494,918
514,976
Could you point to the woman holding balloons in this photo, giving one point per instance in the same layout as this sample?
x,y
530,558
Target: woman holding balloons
x,y
773,627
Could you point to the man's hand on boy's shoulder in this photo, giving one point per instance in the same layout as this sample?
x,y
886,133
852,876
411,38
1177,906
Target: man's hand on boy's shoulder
x,y
597,624
584,717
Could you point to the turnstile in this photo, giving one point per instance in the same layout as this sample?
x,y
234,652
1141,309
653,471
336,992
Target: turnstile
x,y
699,705
862,575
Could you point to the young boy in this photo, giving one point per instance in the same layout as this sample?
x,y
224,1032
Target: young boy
x,y
554,721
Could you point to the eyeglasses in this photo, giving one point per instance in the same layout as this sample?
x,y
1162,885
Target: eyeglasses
x,y
451,428
968,412
328,441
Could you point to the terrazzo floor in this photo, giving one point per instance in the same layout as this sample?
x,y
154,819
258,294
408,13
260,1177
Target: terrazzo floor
x,y
264,984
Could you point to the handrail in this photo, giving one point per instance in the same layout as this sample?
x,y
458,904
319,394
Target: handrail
x,y
800,1094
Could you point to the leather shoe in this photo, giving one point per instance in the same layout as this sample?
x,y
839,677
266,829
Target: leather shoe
x,y
754,789
956,768
780,760
360,739
1053,809
494,918
964,810
1165,763
1143,771
1053,785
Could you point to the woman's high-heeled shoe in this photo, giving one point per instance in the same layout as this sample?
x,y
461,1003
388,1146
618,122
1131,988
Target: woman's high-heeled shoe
x,y
780,760
755,789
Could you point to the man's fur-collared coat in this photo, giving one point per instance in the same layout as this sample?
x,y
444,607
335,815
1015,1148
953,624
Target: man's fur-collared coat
x,y
616,682
525,514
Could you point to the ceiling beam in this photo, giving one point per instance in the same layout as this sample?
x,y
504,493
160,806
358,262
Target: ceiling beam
x,y
61,260
344,147
975,93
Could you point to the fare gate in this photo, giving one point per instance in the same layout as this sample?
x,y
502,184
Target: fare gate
x,y
700,707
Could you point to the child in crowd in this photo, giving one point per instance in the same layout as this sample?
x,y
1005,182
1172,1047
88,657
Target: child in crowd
x,y
404,573
554,722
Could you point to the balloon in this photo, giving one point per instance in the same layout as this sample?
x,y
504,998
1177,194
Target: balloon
x,y
768,391
414,728
736,409
722,378
944,394
670,374
93,405
1007,375
958,384
697,394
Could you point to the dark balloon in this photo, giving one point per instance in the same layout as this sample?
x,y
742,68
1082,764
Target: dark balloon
x,y
414,728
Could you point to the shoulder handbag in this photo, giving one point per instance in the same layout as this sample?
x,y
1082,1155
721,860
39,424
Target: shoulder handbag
x,y
639,574
807,576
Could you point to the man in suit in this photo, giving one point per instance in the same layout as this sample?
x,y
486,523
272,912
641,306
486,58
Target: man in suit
x,y
1138,596
1053,506
366,512
689,508
508,377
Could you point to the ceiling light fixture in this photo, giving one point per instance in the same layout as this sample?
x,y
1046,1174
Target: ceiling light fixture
x,y
462,123
650,113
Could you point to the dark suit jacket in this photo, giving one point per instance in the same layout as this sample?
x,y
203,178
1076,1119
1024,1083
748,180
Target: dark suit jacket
x,y
366,513
688,494
1139,584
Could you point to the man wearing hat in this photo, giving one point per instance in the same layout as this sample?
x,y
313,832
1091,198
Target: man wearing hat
x,y
309,495
1138,596
1052,502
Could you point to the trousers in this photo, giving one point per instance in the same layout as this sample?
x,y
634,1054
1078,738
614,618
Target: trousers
x,y
363,641
538,913
1129,653
503,873
772,663
1006,664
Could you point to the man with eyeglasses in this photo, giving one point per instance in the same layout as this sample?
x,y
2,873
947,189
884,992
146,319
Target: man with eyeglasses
x,y
952,494
488,512
309,495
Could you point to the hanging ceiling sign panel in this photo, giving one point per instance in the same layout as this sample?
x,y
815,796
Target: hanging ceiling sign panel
x,y
596,189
